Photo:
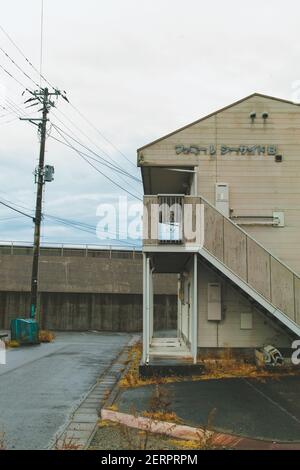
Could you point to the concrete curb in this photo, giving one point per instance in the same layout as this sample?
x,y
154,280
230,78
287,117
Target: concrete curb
x,y
116,389
83,422
107,401
185,432
191,433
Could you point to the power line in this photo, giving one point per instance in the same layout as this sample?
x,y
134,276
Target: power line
x,y
111,165
81,224
24,56
4,219
2,106
48,215
19,110
71,104
11,107
17,66
82,156
14,78
115,167
14,106
70,223
2,123
7,114
97,169
17,210
101,134
42,36
88,156
85,228
95,144
9,122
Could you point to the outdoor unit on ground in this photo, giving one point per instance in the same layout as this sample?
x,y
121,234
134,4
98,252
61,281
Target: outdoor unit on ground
x,y
25,331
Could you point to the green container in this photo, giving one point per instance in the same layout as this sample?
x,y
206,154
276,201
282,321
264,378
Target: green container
x,y
25,331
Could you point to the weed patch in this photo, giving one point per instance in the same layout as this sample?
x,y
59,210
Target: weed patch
x,y
66,443
214,368
12,343
46,336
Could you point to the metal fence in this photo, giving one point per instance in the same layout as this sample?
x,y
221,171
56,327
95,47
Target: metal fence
x,y
68,249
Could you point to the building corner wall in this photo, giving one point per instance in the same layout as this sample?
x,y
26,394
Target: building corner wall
x,y
228,332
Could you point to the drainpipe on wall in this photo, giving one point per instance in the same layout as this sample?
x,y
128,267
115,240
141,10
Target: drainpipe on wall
x,y
194,337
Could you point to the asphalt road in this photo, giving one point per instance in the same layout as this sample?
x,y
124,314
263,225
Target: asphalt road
x,y
41,385
266,409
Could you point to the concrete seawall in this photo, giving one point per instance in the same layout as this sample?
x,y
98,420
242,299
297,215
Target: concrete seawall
x,y
81,290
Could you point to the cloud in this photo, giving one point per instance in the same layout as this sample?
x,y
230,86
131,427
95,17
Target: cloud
x,y
137,70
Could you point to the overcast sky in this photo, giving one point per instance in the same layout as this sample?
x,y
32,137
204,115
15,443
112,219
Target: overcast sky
x,y
137,69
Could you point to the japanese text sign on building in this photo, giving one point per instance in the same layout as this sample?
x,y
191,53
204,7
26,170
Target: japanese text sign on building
x,y
241,149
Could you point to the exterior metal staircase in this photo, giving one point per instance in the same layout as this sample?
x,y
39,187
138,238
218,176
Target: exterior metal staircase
x,y
262,276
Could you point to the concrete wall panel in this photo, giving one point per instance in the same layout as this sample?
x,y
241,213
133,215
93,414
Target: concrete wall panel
x,y
282,288
81,312
258,268
235,249
213,237
297,299
80,274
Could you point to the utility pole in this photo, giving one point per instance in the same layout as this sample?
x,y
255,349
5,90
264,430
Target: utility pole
x,y
42,174
38,210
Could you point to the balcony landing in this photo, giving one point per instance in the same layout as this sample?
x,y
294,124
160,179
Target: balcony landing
x,y
169,347
169,357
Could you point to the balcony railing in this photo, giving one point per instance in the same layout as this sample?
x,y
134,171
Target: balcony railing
x,y
234,248
170,219
170,227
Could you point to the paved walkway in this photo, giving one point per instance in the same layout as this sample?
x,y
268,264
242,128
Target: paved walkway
x,y
83,422
41,386
268,409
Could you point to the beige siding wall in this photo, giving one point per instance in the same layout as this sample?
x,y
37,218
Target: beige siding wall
x,y
228,332
258,185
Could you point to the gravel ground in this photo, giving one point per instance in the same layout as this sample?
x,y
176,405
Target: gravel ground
x,y
116,437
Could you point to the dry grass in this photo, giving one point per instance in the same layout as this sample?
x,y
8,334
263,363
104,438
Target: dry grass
x,y
104,423
226,366
131,378
223,368
2,441
202,443
46,336
113,407
204,439
135,440
184,445
12,343
158,410
67,443
169,417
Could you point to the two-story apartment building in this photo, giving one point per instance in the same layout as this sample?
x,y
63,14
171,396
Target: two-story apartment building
x,y
222,211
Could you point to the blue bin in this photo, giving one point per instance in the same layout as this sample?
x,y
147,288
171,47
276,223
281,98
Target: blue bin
x,y
25,330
